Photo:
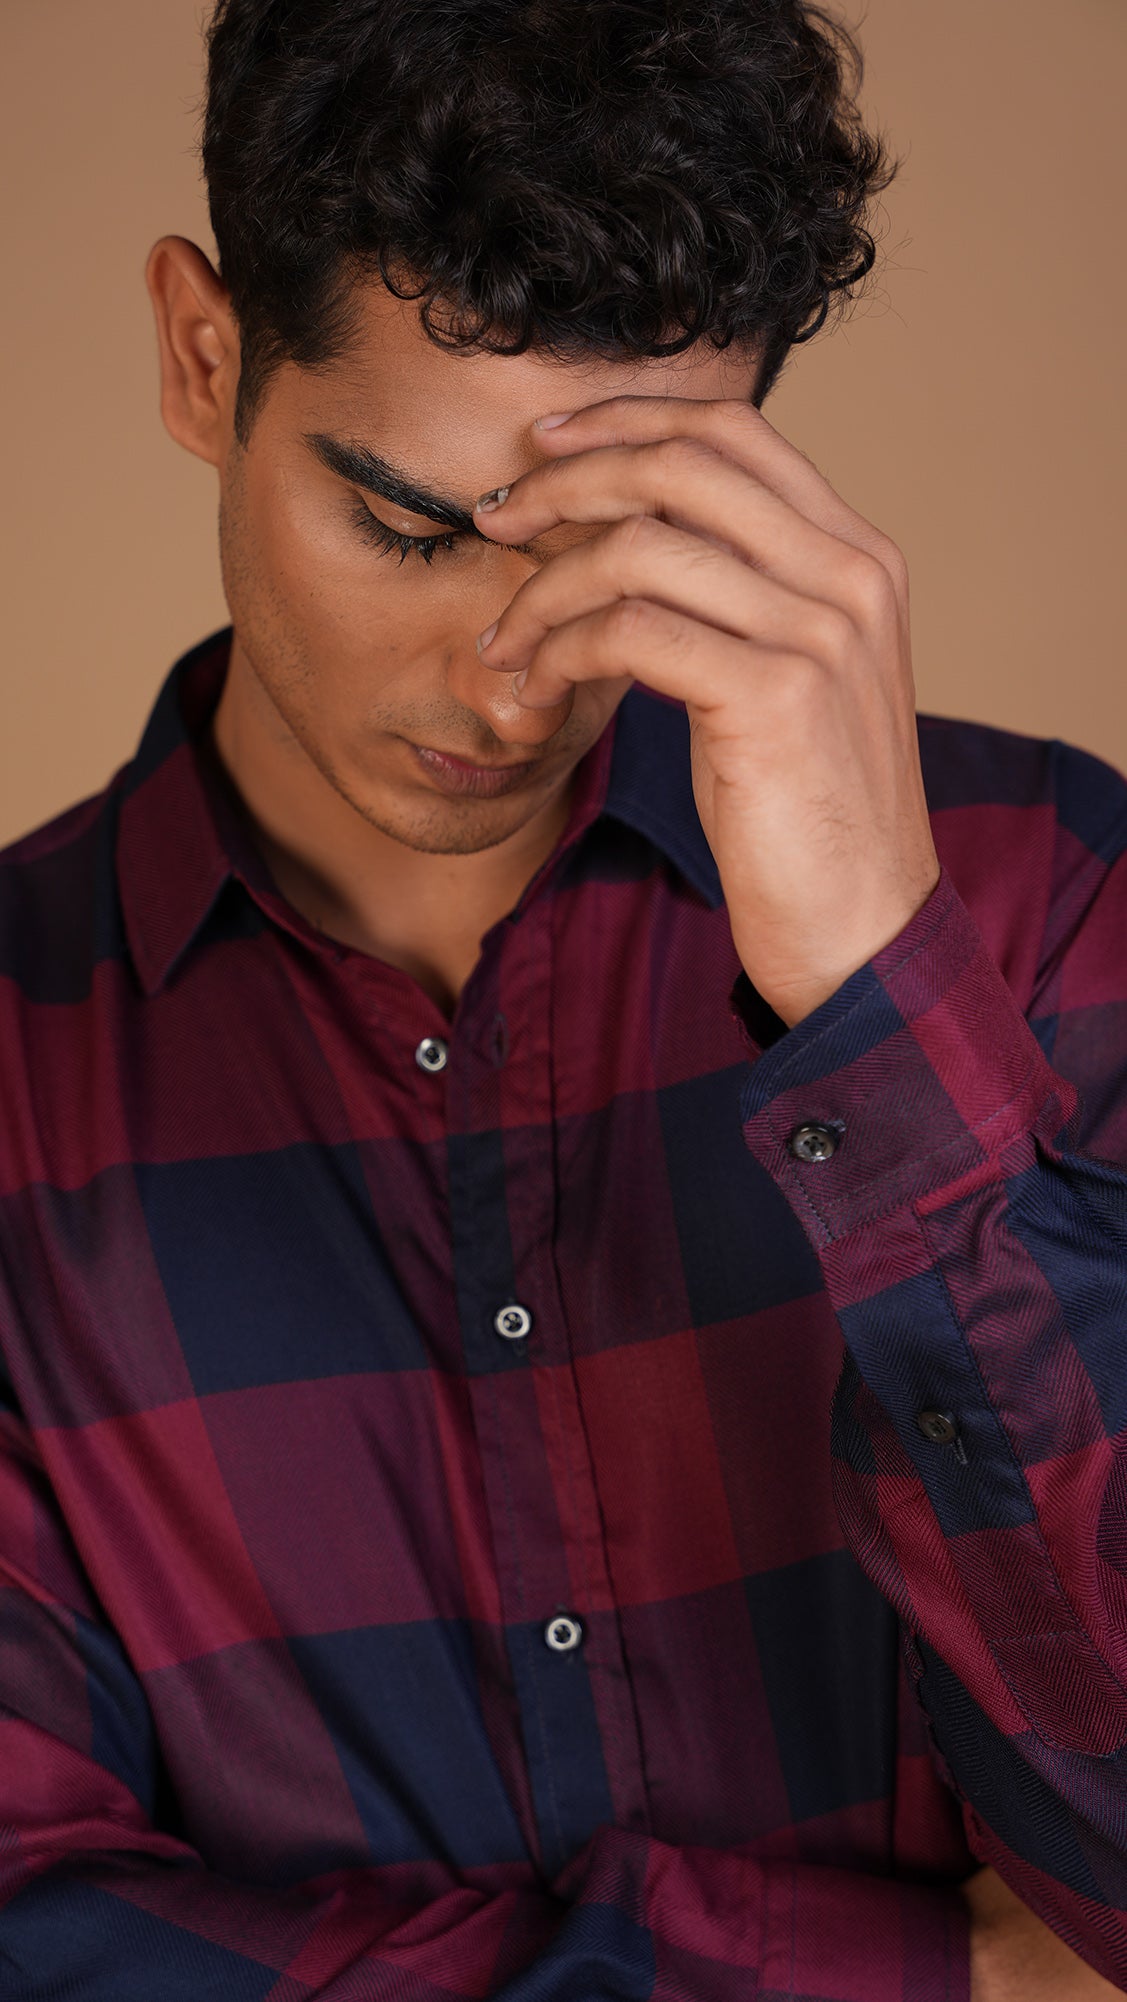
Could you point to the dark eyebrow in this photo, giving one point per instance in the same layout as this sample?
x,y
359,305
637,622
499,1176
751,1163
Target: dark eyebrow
x,y
365,468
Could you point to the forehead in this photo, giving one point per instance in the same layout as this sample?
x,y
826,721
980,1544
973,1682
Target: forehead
x,y
398,386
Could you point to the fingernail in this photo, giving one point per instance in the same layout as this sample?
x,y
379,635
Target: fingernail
x,y
485,637
520,679
549,423
495,498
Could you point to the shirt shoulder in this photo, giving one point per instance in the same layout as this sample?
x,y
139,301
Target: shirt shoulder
x,y
969,764
1029,829
59,912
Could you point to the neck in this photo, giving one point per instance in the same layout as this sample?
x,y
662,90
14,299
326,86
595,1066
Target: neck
x,y
346,876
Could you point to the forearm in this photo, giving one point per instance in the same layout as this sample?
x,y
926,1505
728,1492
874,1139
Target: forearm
x,y
969,1213
637,1918
1015,1957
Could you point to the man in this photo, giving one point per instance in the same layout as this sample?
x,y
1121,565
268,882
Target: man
x,y
562,1238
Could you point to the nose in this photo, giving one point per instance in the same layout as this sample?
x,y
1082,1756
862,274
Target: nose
x,y
510,719
489,690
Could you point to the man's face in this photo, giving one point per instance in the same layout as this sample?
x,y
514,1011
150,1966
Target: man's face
x,y
354,655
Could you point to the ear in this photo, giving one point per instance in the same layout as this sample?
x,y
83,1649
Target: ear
x,y
199,347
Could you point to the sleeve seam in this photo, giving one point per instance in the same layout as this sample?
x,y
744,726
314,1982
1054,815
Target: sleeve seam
x,y
896,1174
1077,1624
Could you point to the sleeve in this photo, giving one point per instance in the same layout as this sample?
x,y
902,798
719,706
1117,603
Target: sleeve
x,y
963,1182
101,1900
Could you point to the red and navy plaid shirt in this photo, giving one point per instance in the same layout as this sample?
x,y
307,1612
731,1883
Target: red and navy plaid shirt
x,y
606,1497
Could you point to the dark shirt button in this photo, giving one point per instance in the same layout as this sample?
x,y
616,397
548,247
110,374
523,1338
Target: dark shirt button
x,y
813,1142
938,1426
563,1633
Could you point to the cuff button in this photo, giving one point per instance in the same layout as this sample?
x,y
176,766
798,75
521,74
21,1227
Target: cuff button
x,y
813,1142
938,1426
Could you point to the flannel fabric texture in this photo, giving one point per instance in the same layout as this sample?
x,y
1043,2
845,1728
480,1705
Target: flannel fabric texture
x,y
484,1510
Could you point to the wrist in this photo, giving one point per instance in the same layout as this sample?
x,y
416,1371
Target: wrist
x,y
1015,1957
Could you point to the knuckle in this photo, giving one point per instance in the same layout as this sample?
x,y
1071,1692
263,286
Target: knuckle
x,y
736,412
622,405
891,555
796,690
633,532
831,631
519,613
627,618
896,564
871,586
675,457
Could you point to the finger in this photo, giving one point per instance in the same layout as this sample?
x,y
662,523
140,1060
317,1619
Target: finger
x,y
738,431
734,428
673,654
641,557
684,482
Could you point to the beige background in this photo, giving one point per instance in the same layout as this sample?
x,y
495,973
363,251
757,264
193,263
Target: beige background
x,y
972,406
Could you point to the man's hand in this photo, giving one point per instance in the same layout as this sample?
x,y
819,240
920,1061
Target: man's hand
x,y
734,578
1015,1957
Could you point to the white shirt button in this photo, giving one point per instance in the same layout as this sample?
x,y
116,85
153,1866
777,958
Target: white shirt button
x,y
563,1633
513,1323
431,1054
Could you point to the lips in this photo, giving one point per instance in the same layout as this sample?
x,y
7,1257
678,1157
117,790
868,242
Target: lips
x,y
485,781
471,765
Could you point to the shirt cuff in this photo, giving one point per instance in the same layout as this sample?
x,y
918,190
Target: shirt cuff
x,y
919,1072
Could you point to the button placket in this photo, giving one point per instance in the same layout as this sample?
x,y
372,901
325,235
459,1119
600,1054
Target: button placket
x,y
940,1428
564,1633
513,1322
541,1506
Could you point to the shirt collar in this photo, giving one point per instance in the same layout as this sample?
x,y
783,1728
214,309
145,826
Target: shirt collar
x,y
182,837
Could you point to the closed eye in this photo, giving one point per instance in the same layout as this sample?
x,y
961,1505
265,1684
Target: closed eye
x,y
386,539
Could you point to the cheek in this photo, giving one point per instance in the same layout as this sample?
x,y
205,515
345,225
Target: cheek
x,y
354,594
348,611
317,566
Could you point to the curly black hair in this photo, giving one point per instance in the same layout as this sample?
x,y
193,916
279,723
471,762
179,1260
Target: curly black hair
x,y
600,179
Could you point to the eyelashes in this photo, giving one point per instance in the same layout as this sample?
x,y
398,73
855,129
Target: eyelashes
x,y
386,539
